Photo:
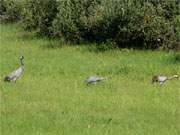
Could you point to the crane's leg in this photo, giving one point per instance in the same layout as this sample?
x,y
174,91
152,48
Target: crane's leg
x,y
161,83
14,80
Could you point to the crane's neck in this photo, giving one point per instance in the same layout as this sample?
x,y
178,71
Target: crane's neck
x,y
21,62
170,78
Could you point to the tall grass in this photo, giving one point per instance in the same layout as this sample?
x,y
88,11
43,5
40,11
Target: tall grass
x,y
51,97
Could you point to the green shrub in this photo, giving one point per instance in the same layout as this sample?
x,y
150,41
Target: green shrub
x,y
10,10
115,23
176,24
135,25
157,30
39,15
2,7
127,23
75,18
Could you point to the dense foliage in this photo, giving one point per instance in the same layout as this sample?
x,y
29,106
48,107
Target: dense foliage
x,y
10,10
126,23
39,14
75,18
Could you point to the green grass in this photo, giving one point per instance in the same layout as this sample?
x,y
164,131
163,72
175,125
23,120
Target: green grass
x,y
52,99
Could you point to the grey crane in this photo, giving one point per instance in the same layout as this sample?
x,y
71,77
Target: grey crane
x,y
13,76
94,79
161,78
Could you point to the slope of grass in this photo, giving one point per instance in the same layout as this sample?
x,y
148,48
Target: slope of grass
x,y
51,97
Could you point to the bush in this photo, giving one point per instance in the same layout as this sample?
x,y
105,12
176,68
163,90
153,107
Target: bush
x,y
176,24
75,18
127,23
135,24
2,7
10,10
39,15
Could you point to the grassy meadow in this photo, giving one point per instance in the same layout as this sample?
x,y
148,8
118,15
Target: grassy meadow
x,y
51,97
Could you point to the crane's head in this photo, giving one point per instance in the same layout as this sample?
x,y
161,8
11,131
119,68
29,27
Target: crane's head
x,y
21,57
175,76
21,60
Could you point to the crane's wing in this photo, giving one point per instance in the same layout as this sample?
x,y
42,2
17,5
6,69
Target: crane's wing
x,y
15,73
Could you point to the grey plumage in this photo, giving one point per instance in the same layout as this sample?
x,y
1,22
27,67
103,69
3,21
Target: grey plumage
x,y
13,76
161,78
93,79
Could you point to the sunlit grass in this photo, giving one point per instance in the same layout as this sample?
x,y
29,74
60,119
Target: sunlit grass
x,y
51,97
